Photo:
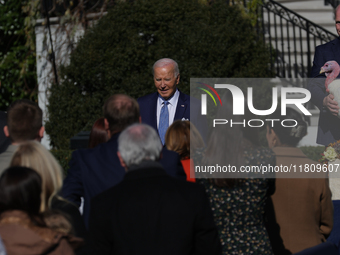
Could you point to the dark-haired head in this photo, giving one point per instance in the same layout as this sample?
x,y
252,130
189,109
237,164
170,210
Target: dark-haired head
x,y
24,121
294,129
20,189
120,111
98,133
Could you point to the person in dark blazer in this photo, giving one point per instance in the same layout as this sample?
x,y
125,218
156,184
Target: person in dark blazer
x,y
329,124
166,78
150,212
94,170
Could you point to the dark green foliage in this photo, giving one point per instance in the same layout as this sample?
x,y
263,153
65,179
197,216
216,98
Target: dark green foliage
x,y
117,55
17,61
313,152
63,156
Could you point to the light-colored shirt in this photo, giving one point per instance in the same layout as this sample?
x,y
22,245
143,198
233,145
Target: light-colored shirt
x,y
171,107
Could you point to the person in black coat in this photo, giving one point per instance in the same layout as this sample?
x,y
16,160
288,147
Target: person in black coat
x,y
150,212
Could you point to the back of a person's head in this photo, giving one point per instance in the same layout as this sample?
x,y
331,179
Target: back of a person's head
x,y
98,133
294,129
20,189
24,120
138,143
178,138
34,155
121,111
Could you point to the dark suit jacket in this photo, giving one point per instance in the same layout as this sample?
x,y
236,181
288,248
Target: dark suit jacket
x,y
152,213
148,108
94,170
329,125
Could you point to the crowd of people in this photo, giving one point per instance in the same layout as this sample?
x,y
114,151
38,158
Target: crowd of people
x,y
140,190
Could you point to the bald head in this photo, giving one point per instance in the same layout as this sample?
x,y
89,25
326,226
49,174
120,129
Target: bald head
x,y
120,111
337,19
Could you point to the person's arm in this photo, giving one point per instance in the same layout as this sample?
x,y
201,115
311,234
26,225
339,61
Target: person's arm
x,y
318,62
73,187
206,239
326,204
331,104
316,86
320,97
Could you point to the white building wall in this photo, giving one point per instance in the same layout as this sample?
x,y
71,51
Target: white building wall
x,y
64,39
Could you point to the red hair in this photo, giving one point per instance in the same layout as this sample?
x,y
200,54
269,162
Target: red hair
x,y
98,133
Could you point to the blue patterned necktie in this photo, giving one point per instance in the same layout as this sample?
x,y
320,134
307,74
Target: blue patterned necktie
x,y
163,121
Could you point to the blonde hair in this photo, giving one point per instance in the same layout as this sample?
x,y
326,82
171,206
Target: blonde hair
x,y
34,155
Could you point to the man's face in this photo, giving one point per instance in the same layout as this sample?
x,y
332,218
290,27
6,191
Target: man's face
x,y
337,21
165,80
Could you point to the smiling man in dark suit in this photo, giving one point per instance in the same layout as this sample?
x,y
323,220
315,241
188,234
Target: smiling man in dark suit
x,y
161,108
329,124
149,212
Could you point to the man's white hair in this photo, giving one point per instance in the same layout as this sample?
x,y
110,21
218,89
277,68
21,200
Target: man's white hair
x,y
164,62
336,10
137,143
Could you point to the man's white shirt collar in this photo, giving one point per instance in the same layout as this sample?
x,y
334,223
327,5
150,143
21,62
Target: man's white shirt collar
x,y
171,107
